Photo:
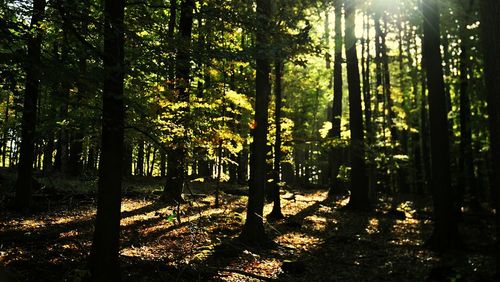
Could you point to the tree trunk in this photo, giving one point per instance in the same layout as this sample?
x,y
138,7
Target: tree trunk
x,y
336,185
140,158
163,160
418,175
370,134
153,160
174,185
103,260
75,155
445,234
359,184
387,83
466,166
275,195
148,160
91,158
23,184
253,232
424,127
5,137
490,25
127,159
243,165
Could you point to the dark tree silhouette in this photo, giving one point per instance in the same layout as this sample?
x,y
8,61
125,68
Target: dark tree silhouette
x,y
359,182
275,194
335,153
253,231
445,234
176,157
103,261
466,159
490,25
24,183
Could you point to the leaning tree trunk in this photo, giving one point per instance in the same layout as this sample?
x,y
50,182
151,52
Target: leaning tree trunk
x,y
24,181
103,260
359,184
253,232
490,25
445,234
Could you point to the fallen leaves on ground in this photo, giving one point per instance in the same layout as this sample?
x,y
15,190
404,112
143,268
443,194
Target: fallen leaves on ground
x,y
318,241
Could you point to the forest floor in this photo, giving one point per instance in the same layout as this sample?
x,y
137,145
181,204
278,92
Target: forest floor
x,y
318,240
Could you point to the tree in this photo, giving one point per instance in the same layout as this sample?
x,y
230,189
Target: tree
x,y
176,157
253,232
275,194
490,33
103,261
445,234
24,183
466,161
335,153
359,184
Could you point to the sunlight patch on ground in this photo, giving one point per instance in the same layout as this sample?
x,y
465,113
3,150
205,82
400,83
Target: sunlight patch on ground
x,y
319,223
298,240
373,226
269,267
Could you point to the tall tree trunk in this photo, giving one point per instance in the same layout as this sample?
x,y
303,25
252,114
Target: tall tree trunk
x,y
148,159
61,158
370,134
174,185
103,260
278,73
445,234
48,149
466,165
243,165
5,137
75,155
359,184
490,25
336,185
127,159
418,175
163,161
140,158
253,232
153,160
23,184
424,128
387,83
91,157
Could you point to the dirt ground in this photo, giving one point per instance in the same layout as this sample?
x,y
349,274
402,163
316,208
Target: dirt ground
x,y
317,241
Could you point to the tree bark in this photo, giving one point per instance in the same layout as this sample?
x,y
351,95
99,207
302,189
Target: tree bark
x,y
174,185
445,234
140,158
253,232
5,137
466,166
103,260
359,184
276,211
490,29
24,183
336,185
